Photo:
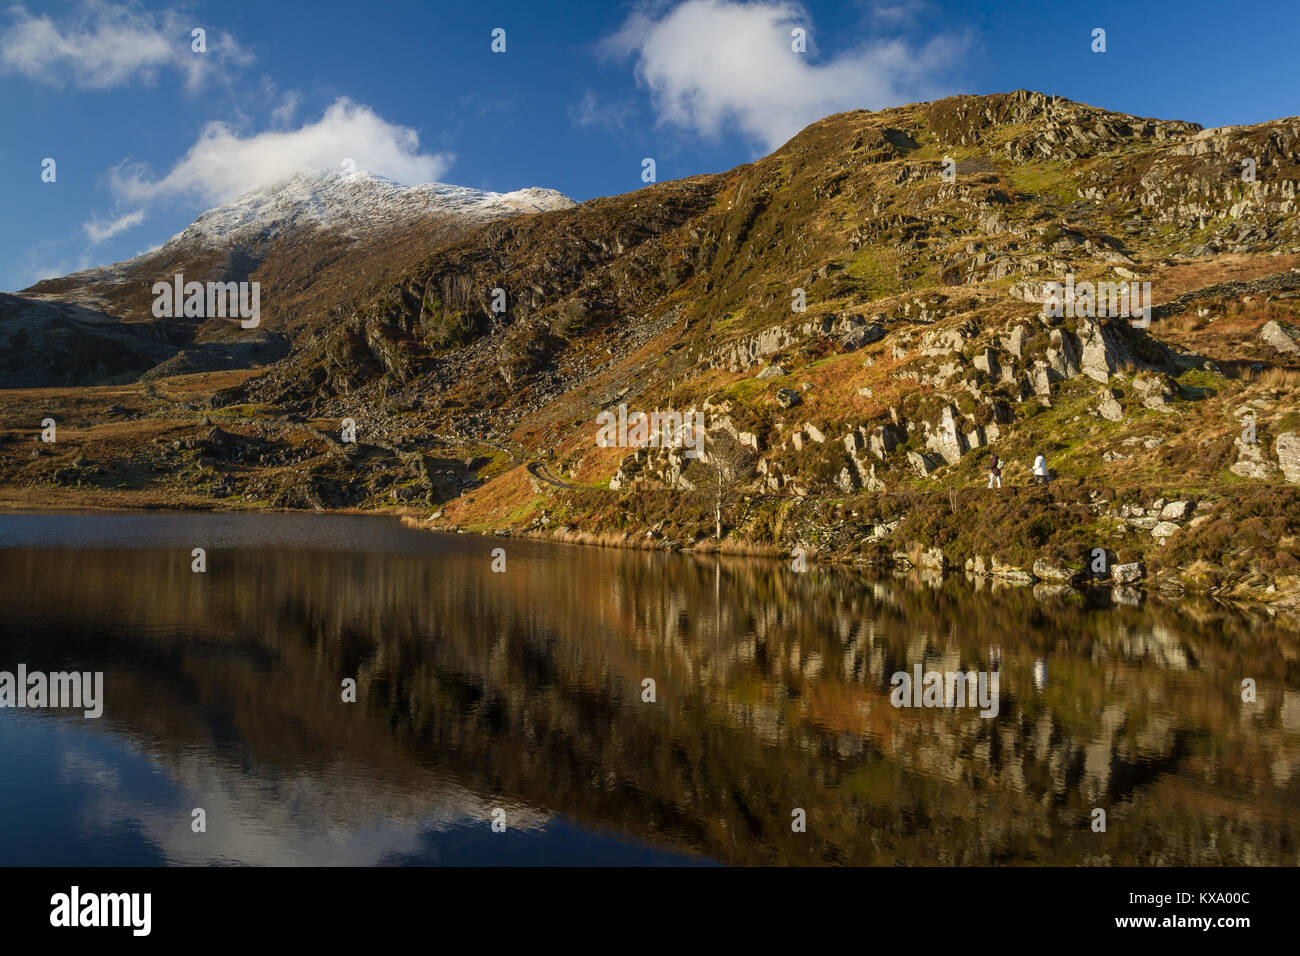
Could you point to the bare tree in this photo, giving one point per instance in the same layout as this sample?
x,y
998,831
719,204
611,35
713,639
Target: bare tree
x,y
731,463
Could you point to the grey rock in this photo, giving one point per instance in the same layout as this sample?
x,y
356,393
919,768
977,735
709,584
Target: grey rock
x,y
787,397
1102,351
1287,449
884,439
1280,337
1108,405
925,463
1252,463
1045,570
987,362
946,438
1128,573
1063,355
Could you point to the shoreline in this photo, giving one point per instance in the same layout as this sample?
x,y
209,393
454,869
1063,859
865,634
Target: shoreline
x,y
901,556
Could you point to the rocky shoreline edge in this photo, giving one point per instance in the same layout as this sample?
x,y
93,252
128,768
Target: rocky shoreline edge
x,y
1097,570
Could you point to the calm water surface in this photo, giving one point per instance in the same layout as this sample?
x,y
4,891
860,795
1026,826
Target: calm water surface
x,y
523,691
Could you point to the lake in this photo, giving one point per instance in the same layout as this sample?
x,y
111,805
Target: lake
x,y
522,698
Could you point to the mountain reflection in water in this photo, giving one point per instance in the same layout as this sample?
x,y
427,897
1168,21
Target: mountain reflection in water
x,y
523,691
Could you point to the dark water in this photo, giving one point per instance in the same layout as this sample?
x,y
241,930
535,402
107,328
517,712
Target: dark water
x,y
522,691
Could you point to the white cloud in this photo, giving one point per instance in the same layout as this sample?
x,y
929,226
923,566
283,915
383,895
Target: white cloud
x,y
100,45
98,230
286,109
591,111
222,164
712,65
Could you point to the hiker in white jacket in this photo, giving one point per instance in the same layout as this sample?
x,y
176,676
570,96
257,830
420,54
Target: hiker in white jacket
x,y
1040,470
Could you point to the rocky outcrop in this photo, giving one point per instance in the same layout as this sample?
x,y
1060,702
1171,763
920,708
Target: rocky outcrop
x,y
1252,462
1102,351
1280,337
1287,449
946,439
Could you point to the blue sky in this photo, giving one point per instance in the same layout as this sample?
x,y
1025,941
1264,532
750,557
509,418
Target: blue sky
x,y
146,133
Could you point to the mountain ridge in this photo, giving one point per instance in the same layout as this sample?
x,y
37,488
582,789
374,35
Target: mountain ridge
x,y
303,235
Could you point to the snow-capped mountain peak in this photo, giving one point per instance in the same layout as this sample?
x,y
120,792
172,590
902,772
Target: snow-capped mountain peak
x,y
354,203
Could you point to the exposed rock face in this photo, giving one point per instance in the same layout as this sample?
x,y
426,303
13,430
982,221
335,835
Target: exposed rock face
x,y
884,439
1015,342
54,343
987,362
1103,352
748,352
847,332
1287,449
1280,337
933,559
925,463
1062,355
1252,462
947,439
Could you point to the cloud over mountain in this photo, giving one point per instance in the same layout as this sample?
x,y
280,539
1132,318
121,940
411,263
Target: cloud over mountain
x,y
222,163
711,65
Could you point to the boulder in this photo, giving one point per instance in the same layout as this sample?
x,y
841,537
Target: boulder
x,y
1287,449
787,397
933,559
1102,351
1128,573
924,463
1062,355
1280,337
858,336
1108,405
1155,391
946,439
1176,511
1252,462
1045,570
772,371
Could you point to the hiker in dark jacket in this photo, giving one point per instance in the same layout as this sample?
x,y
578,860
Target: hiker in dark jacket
x,y
995,470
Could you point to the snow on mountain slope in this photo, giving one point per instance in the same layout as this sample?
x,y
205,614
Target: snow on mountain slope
x,y
357,204
353,203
